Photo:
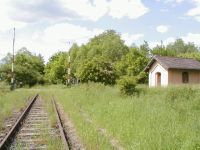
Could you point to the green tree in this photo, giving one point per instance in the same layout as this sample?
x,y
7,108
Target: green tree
x,y
145,50
162,51
29,68
132,63
194,55
180,47
107,45
175,49
56,68
97,70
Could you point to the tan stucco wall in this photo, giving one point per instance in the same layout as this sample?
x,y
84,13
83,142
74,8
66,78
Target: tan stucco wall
x,y
175,76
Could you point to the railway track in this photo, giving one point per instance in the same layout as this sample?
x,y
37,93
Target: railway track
x,y
32,129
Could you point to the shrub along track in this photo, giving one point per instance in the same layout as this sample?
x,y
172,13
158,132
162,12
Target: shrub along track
x,y
33,128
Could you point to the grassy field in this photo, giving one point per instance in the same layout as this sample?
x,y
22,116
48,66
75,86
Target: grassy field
x,y
11,102
157,118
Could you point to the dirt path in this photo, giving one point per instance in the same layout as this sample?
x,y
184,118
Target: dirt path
x,y
74,141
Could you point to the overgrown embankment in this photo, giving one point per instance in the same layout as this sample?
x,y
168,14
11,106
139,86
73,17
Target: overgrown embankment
x,y
12,102
157,118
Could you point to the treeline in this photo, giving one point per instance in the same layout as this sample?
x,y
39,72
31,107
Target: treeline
x,y
105,58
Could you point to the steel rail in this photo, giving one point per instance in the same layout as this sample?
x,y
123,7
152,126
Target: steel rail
x,y
9,137
62,131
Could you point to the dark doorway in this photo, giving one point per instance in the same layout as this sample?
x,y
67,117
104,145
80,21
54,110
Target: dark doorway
x,y
185,77
158,79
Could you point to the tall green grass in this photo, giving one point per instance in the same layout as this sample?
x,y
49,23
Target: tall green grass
x,y
12,102
157,118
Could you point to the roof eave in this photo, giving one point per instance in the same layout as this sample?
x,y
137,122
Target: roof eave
x,y
152,61
184,69
146,69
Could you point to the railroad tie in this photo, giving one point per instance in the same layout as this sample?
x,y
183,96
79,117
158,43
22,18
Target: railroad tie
x,y
35,128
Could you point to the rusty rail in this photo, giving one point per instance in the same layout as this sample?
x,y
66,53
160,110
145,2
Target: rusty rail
x,y
9,137
62,131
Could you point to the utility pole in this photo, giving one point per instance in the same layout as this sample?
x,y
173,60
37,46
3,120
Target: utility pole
x,y
68,81
69,70
13,60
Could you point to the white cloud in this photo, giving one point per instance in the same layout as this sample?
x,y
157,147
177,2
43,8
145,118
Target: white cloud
x,y
19,13
115,8
61,37
192,37
6,22
169,40
86,9
130,8
65,32
195,12
162,28
131,38
54,38
164,42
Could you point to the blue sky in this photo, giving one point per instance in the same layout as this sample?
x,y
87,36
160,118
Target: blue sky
x,y
47,26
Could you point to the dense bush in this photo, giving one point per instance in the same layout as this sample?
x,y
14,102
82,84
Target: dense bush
x,y
97,70
127,85
142,77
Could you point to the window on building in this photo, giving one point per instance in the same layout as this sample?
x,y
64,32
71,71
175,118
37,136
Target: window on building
x,y
185,77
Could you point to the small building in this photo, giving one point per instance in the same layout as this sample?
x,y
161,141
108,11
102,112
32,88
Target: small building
x,y
165,71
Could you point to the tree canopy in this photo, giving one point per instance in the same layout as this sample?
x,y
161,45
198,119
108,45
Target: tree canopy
x,y
56,68
105,58
29,68
175,49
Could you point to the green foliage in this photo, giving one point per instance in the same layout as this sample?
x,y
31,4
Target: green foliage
x,y
193,55
107,45
97,70
127,85
29,68
175,49
132,64
74,52
145,50
161,51
87,61
142,77
56,68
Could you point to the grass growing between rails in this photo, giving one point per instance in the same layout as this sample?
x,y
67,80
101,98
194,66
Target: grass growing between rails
x,y
53,142
157,118
14,101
